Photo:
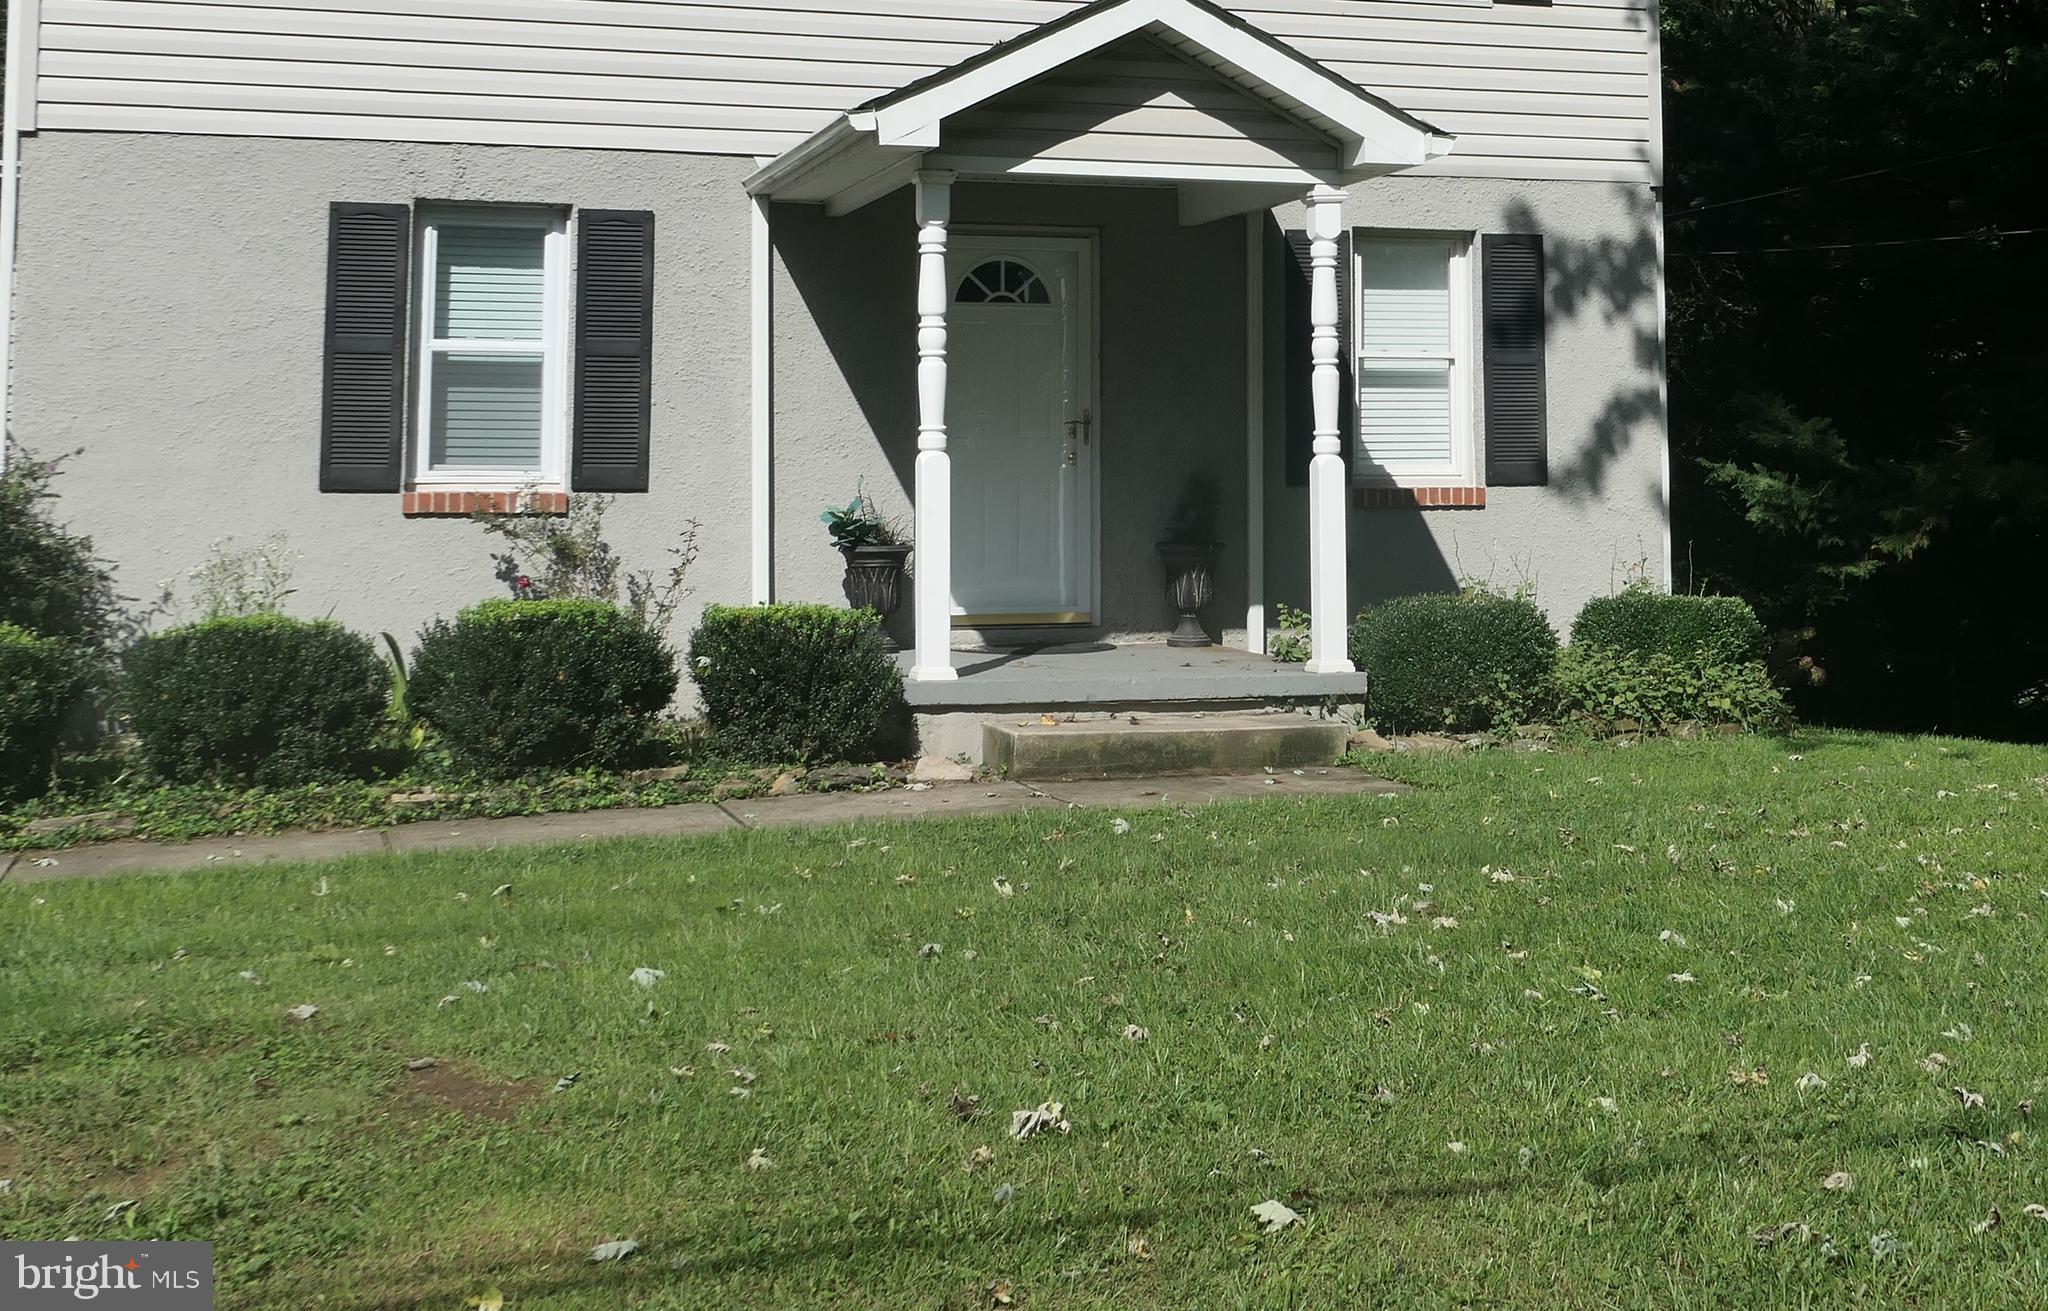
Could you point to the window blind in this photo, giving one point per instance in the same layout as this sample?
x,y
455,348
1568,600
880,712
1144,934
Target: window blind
x,y
491,283
1405,356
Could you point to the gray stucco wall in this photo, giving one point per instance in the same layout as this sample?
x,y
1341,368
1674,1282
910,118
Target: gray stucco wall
x,y
1602,515
168,323
168,320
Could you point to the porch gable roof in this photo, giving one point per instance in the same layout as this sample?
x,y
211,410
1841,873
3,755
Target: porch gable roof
x,y
874,148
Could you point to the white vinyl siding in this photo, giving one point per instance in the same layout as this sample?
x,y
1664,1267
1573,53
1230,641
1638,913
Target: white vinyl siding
x,y
1413,354
1531,91
493,351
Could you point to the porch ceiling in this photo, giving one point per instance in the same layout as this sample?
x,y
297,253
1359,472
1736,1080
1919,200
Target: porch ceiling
x,y
1159,92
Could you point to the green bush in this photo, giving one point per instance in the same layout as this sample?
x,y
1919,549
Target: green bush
x,y
1660,691
794,682
514,686
256,698
1644,622
51,583
1454,663
40,680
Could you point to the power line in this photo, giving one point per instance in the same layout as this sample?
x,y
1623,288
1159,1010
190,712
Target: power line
x,y
1856,177
1862,245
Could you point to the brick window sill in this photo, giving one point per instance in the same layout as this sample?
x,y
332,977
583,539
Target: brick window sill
x,y
456,502
1418,498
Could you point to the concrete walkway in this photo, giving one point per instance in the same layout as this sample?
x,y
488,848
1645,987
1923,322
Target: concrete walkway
x,y
108,859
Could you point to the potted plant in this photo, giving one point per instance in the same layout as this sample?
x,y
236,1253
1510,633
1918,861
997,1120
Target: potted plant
x,y
1188,553
875,555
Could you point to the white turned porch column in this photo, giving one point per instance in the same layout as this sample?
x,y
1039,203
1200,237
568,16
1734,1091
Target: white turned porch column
x,y
932,600
1328,598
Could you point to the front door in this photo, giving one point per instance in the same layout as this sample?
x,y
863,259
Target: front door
x,y
1019,427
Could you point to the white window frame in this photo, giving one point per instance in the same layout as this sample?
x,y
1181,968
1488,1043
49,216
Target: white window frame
x,y
552,473
1462,471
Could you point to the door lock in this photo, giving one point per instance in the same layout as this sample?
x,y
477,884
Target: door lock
x,y
1083,425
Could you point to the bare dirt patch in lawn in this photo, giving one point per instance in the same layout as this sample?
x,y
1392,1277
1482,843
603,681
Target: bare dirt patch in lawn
x,y
447,1086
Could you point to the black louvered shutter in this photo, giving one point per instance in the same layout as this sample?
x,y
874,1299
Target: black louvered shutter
x,y
1517,436
362,389
614,349
1299,355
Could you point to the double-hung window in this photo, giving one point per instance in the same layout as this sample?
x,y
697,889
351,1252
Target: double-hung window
x,y
492,374
1413,360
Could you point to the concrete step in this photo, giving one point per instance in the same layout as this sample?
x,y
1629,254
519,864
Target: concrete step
x,y
1141,744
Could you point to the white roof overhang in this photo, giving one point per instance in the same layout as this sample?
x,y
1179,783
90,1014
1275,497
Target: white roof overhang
x,y
875,148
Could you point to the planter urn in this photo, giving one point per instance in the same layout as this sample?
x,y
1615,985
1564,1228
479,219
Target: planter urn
x,y
1190,586
874,581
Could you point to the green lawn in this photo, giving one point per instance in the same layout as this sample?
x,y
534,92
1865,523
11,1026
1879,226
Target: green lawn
x,y
1499,1096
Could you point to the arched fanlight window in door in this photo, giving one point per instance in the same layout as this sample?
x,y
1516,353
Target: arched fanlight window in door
x,y
1002,282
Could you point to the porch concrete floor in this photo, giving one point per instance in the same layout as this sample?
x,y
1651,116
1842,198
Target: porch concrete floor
x,y
1103,674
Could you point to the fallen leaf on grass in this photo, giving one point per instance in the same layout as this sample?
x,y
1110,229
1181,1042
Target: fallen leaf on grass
x,y
1971,1101
1989,1224
718,1048
615,1251
1004,1194
250,976
1794,1229
1121,826
1136,1033
488,1300
1841,1181
115,1211
1046,1115
1810,1082
566,1082
1934,1062
1860,1057
930,950
1274,1215
2034,1211
1139,1248
1741,1078
758,1159
647,978
1683,976
977,1158
302,1012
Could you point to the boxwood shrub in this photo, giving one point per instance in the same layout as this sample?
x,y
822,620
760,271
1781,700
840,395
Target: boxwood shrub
x,y
40,680
515,686
1659,661
256,698
794,682
1658,691
1460,662
1644,622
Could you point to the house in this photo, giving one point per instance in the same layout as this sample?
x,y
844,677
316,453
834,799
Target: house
x,y
1387,271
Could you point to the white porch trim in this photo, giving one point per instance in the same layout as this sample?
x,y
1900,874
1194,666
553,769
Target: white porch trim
x,y
873,149
1255,432
1328,596
761,365
932,594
